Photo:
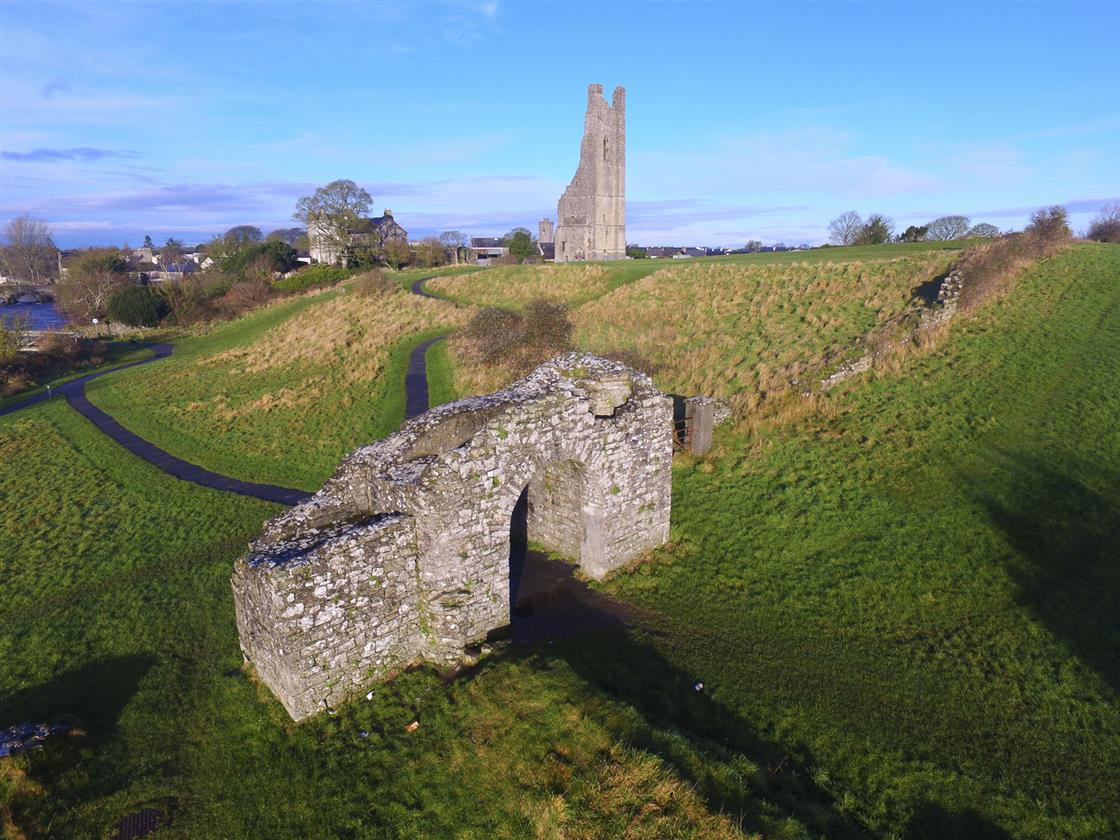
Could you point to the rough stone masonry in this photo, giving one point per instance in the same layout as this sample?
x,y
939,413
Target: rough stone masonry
x,y
592,212
404,554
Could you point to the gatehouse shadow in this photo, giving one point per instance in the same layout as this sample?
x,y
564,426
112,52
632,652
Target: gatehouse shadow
x,y
933,821
89,700
1064,521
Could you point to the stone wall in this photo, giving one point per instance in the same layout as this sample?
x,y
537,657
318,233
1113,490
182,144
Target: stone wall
x,y
404,553
592,212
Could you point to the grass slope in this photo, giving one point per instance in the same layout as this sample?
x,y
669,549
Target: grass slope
x,y
903,611
282,395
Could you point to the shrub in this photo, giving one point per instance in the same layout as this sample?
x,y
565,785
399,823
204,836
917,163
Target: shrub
x,y
1049,223
138,306
274,255
242,297
374,284
312,277
989,268
520,340
878,230
1106,226
13,332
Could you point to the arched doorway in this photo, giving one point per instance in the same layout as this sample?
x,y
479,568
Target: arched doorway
x,y
552,531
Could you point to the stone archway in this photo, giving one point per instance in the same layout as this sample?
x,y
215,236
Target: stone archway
x,y
404,553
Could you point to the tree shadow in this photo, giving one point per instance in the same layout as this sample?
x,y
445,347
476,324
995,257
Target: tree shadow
x,y
1064,521
934,822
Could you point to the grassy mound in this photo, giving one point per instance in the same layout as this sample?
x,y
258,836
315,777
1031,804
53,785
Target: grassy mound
x,y
902,609
281,395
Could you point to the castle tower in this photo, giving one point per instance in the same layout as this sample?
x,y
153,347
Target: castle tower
x,y
592,210
544,231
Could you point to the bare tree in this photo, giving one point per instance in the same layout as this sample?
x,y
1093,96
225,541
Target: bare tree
x,y
844,229
430,252
331,214
455,241
30,253
1106,225
90,281
948,227
984,230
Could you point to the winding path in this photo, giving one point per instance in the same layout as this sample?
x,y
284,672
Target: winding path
x,y
416,402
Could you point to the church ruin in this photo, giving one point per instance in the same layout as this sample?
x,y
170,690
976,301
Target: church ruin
x,y
592,212
404,554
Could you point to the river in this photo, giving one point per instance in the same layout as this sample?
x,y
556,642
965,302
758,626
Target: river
x,y
41,316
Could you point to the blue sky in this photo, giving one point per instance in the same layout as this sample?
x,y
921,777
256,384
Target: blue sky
x,y
745,120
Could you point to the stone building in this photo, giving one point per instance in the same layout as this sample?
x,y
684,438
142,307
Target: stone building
x,y
545,233
592,212
327,247
404,555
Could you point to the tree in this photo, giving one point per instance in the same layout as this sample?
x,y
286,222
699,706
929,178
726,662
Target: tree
x,y
845,229
636,253
455,241
877,230
520,244
331,214
138,306
396,253
171,252
243,234
296,237
430,252
30,253
753,246
1050,223
914,234
1106,225
148,242
984,230
265,258
91,278
948,227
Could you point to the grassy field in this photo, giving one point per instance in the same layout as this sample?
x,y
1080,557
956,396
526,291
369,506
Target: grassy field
x,y
283,394
902,608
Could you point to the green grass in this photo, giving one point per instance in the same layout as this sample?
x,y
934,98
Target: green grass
x,y
117,355
441,375
282,395
903,611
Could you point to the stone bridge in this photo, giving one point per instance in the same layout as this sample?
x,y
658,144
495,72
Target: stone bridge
x,y
404,554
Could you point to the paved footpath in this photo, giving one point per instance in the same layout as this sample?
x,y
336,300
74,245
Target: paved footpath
x,y
416,391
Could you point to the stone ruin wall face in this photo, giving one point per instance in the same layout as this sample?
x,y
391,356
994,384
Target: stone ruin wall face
x,y
592,212
404,554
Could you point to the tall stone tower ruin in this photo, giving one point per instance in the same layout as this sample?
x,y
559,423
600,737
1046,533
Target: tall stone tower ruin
x,y
592,210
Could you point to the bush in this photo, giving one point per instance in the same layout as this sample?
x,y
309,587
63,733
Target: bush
x,y
138,306
13,332
1049,223
312,277
521,340
374,284
242,297
988,269
1106,226
275,256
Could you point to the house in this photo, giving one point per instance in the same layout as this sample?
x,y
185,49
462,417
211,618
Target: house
x,y
368,233
487,249
547,251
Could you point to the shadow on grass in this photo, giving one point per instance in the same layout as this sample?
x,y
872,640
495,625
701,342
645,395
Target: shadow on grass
x,y
734,769
84,764
1064,521
934,822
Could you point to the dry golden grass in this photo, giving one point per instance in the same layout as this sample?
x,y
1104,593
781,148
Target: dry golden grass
x,y
514,286
351,331
749,333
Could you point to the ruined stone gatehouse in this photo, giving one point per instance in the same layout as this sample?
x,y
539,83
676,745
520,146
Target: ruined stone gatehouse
x,y
592,212
404,554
